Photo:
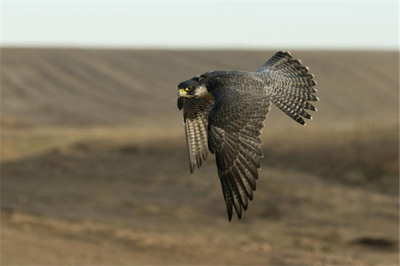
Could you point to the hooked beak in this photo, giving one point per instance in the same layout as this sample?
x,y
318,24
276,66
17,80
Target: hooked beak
x,y
181,93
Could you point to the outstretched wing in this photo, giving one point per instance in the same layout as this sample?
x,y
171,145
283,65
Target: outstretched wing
x,y
195,117
234,130
290,85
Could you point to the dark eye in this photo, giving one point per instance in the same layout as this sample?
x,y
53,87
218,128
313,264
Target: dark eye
x,y
188,88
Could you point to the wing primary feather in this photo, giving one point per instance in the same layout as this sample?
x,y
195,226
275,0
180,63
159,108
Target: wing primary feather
x,y
237,202
189,145
241,186
227,196
195,114
248,178
198,143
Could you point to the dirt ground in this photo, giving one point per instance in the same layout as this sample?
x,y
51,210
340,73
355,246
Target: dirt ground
x,y
94,168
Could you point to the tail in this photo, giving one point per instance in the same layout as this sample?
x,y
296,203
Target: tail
x,y
290,85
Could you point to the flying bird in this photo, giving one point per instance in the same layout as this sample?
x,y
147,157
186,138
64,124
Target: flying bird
x,y
224,112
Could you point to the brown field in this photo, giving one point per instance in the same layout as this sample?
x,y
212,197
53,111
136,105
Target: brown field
x,y
94,168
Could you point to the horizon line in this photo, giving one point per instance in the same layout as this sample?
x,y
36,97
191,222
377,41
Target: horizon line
x,y
199,48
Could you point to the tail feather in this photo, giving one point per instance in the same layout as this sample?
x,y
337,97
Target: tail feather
x,y
278,59
290,85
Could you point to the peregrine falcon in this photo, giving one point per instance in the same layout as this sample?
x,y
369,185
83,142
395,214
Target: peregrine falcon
x,y
224,112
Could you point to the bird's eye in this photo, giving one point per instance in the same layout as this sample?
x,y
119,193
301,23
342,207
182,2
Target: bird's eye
x,y
188,88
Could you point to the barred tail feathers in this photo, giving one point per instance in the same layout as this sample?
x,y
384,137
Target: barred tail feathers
x,y
290,85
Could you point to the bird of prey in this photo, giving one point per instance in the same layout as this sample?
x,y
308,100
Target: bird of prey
x,y
224,112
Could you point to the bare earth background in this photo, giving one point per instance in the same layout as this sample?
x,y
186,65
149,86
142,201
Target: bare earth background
x,y
94,168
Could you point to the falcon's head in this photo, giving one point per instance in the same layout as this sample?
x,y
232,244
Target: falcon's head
x,y
192,88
